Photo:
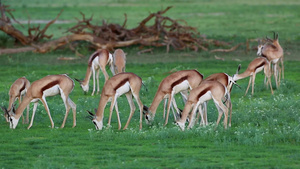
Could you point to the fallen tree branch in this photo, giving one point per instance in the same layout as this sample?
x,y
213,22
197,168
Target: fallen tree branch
x,y
227,50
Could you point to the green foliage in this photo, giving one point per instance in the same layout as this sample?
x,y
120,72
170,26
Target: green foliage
x,y
265,128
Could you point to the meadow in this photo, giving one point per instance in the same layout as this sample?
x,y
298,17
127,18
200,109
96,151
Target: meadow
x,y
265,130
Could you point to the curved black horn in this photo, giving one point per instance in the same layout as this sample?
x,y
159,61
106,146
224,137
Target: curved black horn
x,y
90,113
4,109
269,39
77,80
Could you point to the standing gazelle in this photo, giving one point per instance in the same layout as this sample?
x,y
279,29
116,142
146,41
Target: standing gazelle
x,y
119,62
180,81
122,83
50,85
257,65
228,82
207,90
98,60
17,91
273,52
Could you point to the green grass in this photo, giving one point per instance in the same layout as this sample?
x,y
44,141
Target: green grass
x,y
265,130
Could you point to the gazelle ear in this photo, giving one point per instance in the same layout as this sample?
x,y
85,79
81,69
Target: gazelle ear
x,y
259,41
95,111
238,69
276,36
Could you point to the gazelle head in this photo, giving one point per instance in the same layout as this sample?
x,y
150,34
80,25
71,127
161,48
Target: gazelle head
x,y
259,47
85,87
10,117
234,77
180,125
148,115
98,124
6,113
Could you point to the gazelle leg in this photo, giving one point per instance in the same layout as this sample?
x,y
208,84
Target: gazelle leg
x,y
140,104
184,95
281,60
168,108
177,114
221,109
112,104
253,82
165,104
192,116
132,108
97,76
200,114
118,115
104,73
48,111
73,106
94,80
33,113
275,75
19,98
248,85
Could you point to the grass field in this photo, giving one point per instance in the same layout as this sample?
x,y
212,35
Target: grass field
x,y
265,130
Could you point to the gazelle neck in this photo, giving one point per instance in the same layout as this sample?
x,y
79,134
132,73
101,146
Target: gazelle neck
x,y
87,76
242,75
157,99
26,100
100,111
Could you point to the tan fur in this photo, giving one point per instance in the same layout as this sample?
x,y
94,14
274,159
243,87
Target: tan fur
x,y
119,61
18,90
35,93
253,69
165,89
109,93
103,61
224,79
274,53
216,90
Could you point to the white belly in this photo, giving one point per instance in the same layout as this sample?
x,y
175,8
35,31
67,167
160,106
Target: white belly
x,y
259,69
181,87
52,91
207,96
123,89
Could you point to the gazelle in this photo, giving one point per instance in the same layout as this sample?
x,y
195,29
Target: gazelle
x,y
180,81
257,65
98,60
17,91
119,61
122,83
50,85
273,52
207,90
228,82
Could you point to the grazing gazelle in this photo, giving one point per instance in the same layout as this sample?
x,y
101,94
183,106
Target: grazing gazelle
x,y
207,90
257,65
122,83
50,85
273,52
98,60
180,81
119,62
228,82
17,91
